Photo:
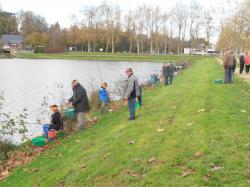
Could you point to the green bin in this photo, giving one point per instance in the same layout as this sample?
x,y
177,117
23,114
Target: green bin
x,y
69,113
137,105
38,141
218,81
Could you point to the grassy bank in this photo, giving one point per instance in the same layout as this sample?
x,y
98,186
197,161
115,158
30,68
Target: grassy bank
x,y
108,57
196,115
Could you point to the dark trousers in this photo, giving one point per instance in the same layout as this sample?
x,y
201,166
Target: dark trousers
x,y
131,107
140,100
247,68
169,79
241,67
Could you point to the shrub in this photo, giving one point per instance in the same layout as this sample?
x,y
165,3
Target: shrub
x,y
39,50
94,101
54,50
5,147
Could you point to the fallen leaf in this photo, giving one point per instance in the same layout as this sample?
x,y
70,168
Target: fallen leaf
x,y
243,111
131,142
83,166
34,170
160,130
25,169
151,160
60,155
110,110
137,160
5,173
106,156
187,172
200,110
77,141
190,124
216,168
206,178
198,154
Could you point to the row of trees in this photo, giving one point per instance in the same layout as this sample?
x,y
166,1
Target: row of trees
x,y
143,29
235,33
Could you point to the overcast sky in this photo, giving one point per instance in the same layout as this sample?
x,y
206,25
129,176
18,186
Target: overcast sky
x,y
62,10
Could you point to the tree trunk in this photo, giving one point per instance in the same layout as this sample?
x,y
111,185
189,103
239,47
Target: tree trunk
x,y
165,45
89,46
107,46
151,46
138,46
130,46
178,43
94,46
113,43
82,46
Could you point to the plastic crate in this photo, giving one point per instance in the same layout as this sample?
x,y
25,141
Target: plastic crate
x,y
38,141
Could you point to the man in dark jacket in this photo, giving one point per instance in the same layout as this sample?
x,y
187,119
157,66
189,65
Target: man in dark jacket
x,y
242,62
80,102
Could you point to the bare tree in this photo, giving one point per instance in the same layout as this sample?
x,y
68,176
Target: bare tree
x,y
179,17
194,16
165,18
208,24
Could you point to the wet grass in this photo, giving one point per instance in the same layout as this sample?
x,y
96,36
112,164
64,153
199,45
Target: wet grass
x,y
196,115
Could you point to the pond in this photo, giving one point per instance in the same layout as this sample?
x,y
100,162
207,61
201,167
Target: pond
x,y
26,82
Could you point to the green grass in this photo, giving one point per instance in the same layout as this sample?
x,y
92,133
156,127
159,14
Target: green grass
x,y
108,57
221,133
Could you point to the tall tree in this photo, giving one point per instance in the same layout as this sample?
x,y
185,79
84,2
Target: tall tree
x,y
31,22
179,14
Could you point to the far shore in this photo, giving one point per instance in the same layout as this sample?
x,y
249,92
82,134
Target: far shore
x,y
109,56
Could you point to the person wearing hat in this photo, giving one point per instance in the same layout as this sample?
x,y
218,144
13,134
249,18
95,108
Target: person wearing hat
x,y
131,92
56,121
103,96
80,102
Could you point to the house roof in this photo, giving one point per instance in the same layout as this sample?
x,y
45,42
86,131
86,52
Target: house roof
x,y
11,38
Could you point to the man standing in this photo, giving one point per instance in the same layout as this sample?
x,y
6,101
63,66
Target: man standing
x,y
228,63
171,72
242,62
167,74
247,62
131,92
80,102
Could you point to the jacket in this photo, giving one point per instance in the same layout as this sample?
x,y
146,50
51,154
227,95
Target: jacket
x,y
242,59
234,64
228,61
103,95
80,99
132,87
247,60
56,121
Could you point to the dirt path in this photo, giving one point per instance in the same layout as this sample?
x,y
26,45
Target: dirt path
x,y
237,72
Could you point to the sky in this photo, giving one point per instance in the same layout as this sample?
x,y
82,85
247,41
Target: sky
x,y
63,10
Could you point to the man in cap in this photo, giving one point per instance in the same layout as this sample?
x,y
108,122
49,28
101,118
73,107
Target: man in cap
x,y
80,102
131,92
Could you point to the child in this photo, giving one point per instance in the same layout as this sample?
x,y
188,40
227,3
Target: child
x,y
56,121
103,96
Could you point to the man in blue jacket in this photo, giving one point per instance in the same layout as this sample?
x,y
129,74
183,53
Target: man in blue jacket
x,y
80,102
